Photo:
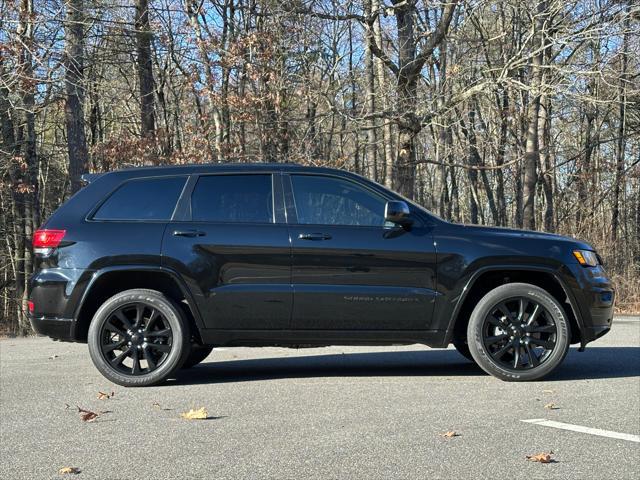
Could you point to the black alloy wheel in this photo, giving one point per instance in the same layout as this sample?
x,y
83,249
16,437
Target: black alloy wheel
x,y
139,337
519,333
136,339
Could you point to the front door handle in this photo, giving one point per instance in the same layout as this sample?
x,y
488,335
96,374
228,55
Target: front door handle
x,y
189,233
314,236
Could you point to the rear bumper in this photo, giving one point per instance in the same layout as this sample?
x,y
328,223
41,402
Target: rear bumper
x,y
56,293
57,328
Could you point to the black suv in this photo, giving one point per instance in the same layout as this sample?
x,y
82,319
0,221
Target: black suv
x,y
152,267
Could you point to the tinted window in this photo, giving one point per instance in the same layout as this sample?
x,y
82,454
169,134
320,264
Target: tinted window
x,y
143,199
331,201
232,198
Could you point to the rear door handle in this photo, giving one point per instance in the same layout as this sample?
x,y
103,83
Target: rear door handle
x,y
189,233
314,236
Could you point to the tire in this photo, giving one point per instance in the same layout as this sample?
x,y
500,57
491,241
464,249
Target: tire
x,y
197,354
121,332
463,349
514,323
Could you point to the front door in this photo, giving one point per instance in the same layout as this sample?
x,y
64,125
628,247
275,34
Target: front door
x,y
350,270
232,248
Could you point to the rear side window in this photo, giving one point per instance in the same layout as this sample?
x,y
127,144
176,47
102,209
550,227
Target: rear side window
x,y
232,198
142,199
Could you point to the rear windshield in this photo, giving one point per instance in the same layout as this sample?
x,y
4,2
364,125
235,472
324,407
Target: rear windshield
x,y
142,199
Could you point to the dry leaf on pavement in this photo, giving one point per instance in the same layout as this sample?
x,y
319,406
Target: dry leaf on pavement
x,y
450,434
551,406
87,415
200,414
67,470
105,396
541,457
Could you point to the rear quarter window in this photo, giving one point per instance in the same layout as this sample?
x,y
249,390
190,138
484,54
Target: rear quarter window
x,y
142,199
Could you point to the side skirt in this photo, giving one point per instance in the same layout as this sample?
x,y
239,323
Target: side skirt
x,y
298,338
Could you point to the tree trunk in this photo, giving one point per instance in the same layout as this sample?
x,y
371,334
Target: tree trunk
x,y
532,149
74,84
620,144
145,68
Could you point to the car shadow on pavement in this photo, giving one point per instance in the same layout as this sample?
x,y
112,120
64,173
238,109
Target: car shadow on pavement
x,y
597,362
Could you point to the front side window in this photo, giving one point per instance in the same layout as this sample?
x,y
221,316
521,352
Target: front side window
x,y
142,199
324,200
232,198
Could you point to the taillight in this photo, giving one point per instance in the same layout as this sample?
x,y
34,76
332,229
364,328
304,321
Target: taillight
x,y
46,240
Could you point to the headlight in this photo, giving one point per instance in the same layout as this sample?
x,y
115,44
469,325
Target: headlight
x,y
586,258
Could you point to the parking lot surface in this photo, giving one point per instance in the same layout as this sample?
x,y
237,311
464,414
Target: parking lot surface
x,y
335,412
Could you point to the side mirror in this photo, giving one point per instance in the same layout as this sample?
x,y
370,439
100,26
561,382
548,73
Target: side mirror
x,y
397,212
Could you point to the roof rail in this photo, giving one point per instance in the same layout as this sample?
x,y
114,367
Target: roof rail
x,y
87,178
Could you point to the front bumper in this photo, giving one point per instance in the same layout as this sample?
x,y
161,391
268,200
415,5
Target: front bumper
x,y
594,298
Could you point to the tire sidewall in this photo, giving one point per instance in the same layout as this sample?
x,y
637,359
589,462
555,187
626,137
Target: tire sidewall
x,y
170,311
504,292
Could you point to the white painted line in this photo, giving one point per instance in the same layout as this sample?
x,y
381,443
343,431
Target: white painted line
x,y
578,428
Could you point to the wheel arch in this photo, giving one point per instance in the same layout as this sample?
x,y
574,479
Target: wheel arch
x,y
109,281
488,278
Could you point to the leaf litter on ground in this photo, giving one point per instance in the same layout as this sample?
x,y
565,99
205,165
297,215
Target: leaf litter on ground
x,y
193,414
541,457
69,470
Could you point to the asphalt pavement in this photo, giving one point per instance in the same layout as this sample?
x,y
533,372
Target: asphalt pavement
x,y
335,412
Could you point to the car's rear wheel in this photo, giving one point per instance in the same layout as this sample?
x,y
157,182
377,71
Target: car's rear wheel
x,y
138,338
518,332
197,354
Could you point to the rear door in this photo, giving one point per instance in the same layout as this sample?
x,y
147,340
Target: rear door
x,y
232,248
351,271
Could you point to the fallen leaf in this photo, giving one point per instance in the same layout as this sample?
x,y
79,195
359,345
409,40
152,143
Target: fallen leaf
x,y
548,391
551,406
53,357
200,414
450,434
67,470
155,404
87,415
67,406
541,457
105,396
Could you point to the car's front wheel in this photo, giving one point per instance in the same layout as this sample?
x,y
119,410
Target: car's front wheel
x,y
138,338
518,332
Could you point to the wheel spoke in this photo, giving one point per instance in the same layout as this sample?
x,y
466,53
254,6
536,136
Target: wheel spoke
x,y
505,311
152,319
113,346
160,347
542,329
492,340
543,343
123,318
135,370
523,304
159,333
112,328
533,359
500,353
148,356
496,322
534,315
139,314
516,356
120,358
